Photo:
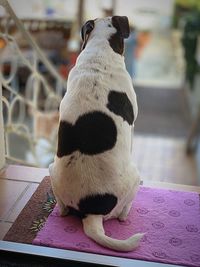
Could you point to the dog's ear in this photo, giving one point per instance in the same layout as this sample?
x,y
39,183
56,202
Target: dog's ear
x,y
85,31
121,23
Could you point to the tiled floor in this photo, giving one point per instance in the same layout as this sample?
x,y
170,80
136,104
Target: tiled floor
x,y
158,159
17,184
162,112
164,159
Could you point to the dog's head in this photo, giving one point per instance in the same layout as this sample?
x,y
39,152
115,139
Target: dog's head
x,y
114,29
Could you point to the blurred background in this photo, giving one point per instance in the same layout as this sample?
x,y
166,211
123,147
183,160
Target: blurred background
x,y
39,44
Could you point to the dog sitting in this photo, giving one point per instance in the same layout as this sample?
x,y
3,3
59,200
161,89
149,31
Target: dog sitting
x,y
93,175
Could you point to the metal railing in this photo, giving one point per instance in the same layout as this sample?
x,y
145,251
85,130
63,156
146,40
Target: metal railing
x,y
24,111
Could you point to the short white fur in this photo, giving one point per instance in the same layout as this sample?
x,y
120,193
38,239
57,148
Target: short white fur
x,y
81,179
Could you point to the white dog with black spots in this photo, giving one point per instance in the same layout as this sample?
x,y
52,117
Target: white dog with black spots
x,y
93,175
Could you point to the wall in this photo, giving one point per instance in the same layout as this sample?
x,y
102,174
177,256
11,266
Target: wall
x,y
64,9
147,14
144,14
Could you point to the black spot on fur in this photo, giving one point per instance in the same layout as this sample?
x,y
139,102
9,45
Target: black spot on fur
x,y
121,23
85,32
93,133
75,212
65,135
117,43
117,40
120,104
100,204
97,204
96,132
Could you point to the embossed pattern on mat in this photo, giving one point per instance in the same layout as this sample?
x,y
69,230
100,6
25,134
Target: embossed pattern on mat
x,y
170,219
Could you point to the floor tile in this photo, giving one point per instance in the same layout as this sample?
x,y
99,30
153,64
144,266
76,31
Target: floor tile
x,y
10,192
23,173
164,159
4,227
20,204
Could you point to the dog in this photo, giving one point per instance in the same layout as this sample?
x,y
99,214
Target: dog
x,y
93,175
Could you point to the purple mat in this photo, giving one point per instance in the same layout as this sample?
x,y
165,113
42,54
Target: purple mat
x,y
170,219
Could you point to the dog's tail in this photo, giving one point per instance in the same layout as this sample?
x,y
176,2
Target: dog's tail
x,y
93,228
